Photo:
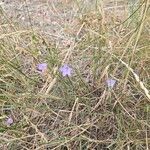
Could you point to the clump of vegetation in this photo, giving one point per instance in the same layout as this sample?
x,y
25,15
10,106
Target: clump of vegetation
x,y
84,86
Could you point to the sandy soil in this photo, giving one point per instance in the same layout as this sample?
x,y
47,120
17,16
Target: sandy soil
x,y
58,19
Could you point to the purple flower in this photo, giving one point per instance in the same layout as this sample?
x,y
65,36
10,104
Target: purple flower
x,y
110,82
65,70
42,67
9,121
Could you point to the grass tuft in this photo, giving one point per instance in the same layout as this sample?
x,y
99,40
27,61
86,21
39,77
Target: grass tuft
x,y
100,41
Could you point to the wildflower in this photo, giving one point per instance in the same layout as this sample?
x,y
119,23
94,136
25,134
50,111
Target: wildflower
x,y
110,83
42,67
65,70
9,121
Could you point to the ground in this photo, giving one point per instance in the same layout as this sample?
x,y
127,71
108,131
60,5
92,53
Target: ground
x,y
100,42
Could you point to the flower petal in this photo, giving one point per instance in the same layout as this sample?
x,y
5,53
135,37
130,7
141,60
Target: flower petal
x,y
9,121
110,83
42,67
65,70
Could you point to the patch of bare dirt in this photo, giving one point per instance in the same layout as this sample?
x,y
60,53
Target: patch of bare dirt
x,y
58,20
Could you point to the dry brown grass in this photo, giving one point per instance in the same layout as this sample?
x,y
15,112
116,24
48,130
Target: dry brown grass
x,y
99,40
